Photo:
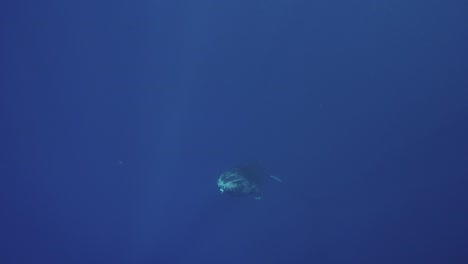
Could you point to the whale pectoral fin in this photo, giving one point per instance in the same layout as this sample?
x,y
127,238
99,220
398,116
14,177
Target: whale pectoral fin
x,y
276,178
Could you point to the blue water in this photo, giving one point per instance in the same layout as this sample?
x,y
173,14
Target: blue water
x,y
117,117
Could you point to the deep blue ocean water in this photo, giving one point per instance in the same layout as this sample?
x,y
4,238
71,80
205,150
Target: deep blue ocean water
x,y
117,118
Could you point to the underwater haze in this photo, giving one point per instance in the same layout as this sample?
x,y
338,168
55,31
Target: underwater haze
x,y
118,118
